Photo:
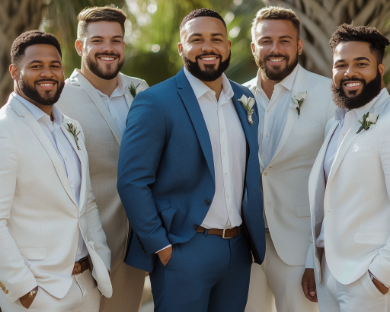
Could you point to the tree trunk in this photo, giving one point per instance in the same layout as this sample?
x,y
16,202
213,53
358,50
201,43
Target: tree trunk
x,y
16,17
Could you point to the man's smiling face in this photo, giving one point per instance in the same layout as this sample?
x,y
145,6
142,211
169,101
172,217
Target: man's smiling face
x,y
205,48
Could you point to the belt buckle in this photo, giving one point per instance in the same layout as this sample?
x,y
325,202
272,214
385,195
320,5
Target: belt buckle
x,y
223,235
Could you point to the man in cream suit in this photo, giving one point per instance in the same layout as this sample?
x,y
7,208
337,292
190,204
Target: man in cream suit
x,y
349,184
49,223
294,107
99,97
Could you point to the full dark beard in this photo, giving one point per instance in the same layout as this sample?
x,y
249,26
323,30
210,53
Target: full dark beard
x,y
275,74
209,74
370,90
94,67
31,92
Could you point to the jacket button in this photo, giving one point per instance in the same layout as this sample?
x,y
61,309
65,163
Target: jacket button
x,y
207,201
196,227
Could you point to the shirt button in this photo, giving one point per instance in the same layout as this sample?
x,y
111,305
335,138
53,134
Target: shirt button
x,y
263,157
267,135
223,130
268,110
228,196
207,201
265,173
78,251
195,227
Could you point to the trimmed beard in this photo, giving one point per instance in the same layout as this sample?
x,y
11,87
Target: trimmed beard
x,y
369,92
94,67
31,92
276,75
209,74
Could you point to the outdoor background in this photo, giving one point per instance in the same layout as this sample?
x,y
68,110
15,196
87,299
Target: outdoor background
x,y
152,31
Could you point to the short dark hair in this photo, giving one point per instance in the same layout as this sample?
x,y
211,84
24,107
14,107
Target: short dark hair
x,y
199,13
347,33
98,14
30,38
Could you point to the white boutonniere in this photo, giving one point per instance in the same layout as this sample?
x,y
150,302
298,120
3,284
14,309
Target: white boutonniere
x,y
134,90
247,103
298,100
367,121
73,130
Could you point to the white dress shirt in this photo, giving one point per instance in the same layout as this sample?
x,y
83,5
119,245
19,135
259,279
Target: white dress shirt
x,y
228,144
272,114
117,105
65,151
345,119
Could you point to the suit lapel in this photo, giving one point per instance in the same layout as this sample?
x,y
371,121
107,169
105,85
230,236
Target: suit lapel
x,y
28,118
192,106
79,79
78,152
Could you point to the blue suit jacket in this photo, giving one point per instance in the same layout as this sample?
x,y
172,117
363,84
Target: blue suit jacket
x,y
166,171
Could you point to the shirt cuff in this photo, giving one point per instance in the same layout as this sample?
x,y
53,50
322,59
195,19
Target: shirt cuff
x,y
163,248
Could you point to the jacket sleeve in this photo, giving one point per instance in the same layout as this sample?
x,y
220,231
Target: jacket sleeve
x,y
15,277
139,157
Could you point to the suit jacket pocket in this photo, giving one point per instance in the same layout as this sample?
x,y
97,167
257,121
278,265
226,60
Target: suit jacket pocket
x,y
302,211
33,253
372,238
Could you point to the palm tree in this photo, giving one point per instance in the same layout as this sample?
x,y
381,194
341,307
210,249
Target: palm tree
x,y
319,19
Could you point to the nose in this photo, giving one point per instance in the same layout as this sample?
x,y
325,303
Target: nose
x,y
47,72
207,46
350,72
108,47
275,48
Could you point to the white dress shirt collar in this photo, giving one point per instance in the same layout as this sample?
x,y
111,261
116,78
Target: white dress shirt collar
x,y
120,90
200,88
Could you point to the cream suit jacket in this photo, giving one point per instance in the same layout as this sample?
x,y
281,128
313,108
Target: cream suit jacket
x,y
39,215
355,201
81,101
286,200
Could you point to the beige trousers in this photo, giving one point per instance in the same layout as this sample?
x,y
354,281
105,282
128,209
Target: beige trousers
x,y
359,296
83,296
276,286
128,285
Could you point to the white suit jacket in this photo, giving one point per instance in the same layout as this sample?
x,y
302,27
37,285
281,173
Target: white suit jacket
x,y
39,215
286,200
81,101
355,201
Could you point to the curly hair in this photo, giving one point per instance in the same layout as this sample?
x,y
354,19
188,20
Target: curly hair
x,y
200,13
30,38
346,33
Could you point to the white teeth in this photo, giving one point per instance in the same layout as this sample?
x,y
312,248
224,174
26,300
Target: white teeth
x,y
209,58
107,58
354,84
46,84
276,60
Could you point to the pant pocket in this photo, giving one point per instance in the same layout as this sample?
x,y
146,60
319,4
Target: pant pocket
x,y
370,286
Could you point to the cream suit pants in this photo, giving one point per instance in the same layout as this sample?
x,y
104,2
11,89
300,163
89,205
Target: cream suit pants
x,y
83,296
359,296
276,286
127,286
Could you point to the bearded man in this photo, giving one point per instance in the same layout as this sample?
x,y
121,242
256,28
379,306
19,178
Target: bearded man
x,y
99,97
189,178
350,181
50,230
294,107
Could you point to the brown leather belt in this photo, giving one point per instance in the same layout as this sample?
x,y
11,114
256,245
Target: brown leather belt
x,y
81,266
225,234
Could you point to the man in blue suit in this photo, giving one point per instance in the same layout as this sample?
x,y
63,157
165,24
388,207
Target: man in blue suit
x,y
189,178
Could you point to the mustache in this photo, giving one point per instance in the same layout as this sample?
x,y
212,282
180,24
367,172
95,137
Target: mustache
x,y
351,79
40,80
107,54
275,55
207,54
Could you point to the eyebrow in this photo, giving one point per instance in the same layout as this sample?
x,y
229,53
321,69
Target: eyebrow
x,y
199,34
361,58
100,37
281,37
38,61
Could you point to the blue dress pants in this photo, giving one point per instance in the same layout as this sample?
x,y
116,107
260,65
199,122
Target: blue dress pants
x,y
206,274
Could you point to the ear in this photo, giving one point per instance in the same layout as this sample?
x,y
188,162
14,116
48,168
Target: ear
x,y
180,48
253,48
79,47
300,46
381,68
14,71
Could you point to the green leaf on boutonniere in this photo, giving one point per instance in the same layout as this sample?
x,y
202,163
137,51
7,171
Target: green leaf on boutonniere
x,y
133,89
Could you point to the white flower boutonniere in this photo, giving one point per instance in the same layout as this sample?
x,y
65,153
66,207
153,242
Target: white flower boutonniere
x,y
367,121
298,100
247,103
73,130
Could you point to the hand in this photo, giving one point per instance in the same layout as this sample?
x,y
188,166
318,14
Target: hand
x,y
26,301
165,255
309,285
382,288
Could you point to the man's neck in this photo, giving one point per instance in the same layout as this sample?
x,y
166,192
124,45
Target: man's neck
x,y
266,84
103,85
47,109
215,85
